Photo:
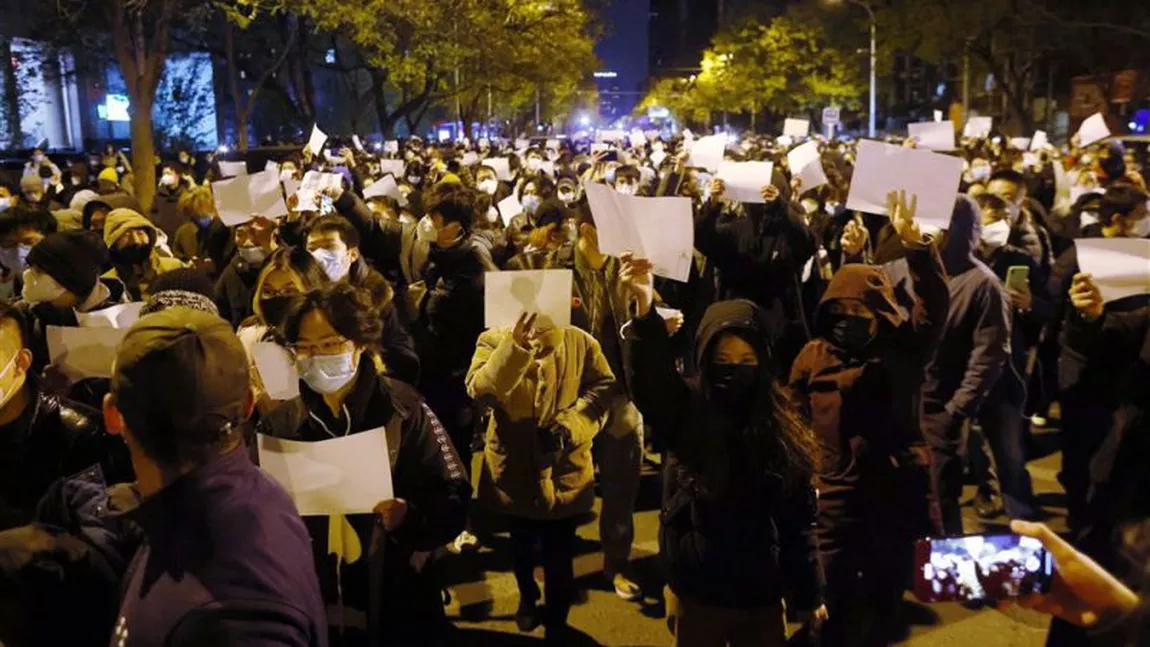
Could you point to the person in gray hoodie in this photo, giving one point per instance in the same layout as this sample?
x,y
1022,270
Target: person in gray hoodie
x,y
972,355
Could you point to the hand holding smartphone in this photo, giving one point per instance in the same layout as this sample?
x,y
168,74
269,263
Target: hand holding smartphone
x,y
980,567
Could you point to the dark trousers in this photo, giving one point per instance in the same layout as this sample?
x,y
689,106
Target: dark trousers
x,y
1004,429
944,435
556,540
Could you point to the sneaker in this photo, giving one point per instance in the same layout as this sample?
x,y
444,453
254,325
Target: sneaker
x,y
626,589
464,543
527,616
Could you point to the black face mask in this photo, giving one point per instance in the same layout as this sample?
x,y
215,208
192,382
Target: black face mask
x,y
734,385
131,255
851,333
274,309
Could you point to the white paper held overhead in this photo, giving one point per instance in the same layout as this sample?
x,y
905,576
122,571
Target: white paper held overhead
x,y
978,127
545,293
707,152
658,229
933,135
233,169
881,168
797,128
806,163
316,141
237,200
1093,130
745,180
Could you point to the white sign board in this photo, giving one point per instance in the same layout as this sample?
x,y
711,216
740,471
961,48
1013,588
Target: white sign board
x,y
237,200
233,169
745,180
806,163
83,352
347,475
707,152
509,207
978,127
831,116
546,293
658,229
385,187
1039,141
316,141
1093,130
933,135
881,168
1120,267
797,128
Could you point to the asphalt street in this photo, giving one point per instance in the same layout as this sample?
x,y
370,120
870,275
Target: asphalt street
x,y
484,595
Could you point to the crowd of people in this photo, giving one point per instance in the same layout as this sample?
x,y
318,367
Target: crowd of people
x,y
818,390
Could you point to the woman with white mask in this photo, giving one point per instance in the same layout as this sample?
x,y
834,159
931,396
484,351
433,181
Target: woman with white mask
x,y
334,336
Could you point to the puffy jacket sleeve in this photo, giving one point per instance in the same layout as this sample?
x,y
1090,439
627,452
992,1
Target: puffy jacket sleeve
x,y
989,353
799,557
433,481
659,391
497,367
585,418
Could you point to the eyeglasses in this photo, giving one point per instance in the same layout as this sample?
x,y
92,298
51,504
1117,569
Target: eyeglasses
x,y
330,346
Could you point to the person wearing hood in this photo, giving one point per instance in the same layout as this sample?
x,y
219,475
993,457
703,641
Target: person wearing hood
x,y
131,241
545,238
96,210
858,384
760,257
972,356
1026,229
739,506
203,241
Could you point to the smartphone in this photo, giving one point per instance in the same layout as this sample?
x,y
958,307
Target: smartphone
x,y
610,156
980,567
1017,278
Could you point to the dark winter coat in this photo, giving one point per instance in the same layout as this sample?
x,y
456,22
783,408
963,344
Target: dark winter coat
x,y
731,535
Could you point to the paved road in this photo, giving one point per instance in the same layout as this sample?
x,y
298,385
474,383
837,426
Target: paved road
x,y
484,595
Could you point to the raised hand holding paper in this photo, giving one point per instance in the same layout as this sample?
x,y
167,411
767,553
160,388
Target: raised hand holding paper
x,y
347,475
806,163
745,180
316,141
658,229
385,187
1093,130
798,128
882,168
933,135
237,200
544,293
392,167
1120,266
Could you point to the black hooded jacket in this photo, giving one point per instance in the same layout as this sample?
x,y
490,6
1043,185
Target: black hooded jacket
x,y
975,346
731,534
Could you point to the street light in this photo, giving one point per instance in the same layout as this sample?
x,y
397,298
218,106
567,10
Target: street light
x,y
873,26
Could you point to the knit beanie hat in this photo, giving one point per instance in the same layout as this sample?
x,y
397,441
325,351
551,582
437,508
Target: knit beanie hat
x,y
185,287
73,258
109,174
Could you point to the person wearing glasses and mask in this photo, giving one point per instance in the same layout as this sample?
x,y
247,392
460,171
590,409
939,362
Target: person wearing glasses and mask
x,y
334,335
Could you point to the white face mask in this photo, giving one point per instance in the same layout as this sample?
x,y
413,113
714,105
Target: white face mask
x,y
996,234
426,231
40,287
626,189
979,173
1140,229
5,203
831,207
335,264
530,203
327,374
413,179
492,215
489,186
6,394
252,255
287,174
533,164
168,180
567,197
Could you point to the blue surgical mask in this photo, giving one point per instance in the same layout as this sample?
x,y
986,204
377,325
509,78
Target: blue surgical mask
x,y
327,374
203,222
335,264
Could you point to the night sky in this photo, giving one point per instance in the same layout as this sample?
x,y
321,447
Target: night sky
x,y
624,51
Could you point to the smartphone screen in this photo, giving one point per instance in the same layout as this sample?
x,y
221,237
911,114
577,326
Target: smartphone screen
x,y
1017,277
980,567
